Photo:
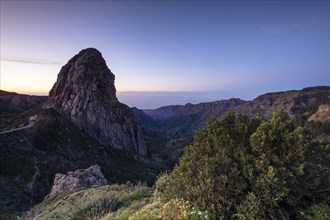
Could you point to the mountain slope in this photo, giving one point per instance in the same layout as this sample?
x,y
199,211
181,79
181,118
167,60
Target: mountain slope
x,y
106,202
30,158
290,101
11,102
187,118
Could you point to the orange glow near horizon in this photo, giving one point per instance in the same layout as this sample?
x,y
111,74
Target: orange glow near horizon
x,y
26,89
27,78
26,92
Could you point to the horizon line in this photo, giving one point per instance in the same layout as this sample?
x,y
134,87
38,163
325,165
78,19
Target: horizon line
x,y
44,93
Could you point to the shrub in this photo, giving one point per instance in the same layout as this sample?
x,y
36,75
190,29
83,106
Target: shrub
x,y
242,167
161,184
316,212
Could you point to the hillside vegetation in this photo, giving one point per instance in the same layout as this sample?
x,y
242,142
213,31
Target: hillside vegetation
x,y
250,168
237,168
106,202
30,158
236,150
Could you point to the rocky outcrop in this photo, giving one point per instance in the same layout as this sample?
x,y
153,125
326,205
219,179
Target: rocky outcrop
x,y
85,94
78,179
322,114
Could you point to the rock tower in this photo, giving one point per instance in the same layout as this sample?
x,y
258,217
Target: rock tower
x,y
85,94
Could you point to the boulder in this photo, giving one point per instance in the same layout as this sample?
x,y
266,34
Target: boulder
x,y
78,179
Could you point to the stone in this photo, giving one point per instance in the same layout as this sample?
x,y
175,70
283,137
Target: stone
x,y
78,179
322,114
85,94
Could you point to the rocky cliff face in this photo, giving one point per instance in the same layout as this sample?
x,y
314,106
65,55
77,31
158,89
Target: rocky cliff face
x,y
78,179
85,94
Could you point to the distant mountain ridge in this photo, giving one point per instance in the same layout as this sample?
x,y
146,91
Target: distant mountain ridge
x,y
167,112
189,117
177,124
12,102
291,101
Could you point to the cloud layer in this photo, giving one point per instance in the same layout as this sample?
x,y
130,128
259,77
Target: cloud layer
x,y
31,60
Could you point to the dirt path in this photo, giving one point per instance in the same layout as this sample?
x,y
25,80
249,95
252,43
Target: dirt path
x,y
29,125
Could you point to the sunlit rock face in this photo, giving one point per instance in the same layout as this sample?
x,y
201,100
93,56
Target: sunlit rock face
x,y
86,95
322,114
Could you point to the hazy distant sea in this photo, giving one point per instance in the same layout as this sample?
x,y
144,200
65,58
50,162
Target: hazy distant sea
x,y
153,100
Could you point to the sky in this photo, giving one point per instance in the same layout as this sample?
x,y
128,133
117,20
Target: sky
x,y
169,52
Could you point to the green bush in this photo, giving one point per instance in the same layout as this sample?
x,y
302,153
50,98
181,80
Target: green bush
x,y
316,212
161,184
242,167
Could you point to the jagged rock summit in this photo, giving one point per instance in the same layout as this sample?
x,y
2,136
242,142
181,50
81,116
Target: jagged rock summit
x,y
85,94
78,179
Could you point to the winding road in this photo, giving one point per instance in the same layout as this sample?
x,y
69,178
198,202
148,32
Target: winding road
x,y
29,125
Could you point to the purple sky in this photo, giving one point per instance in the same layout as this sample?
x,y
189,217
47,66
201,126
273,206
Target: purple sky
x,y
188,51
